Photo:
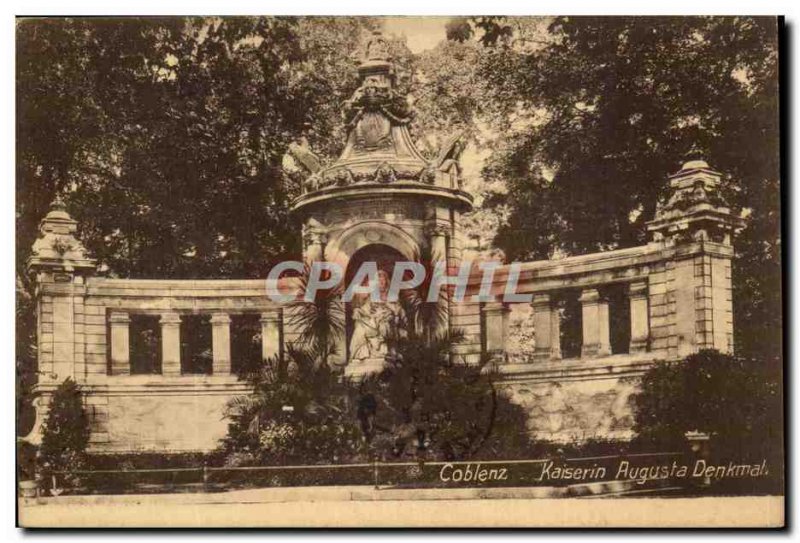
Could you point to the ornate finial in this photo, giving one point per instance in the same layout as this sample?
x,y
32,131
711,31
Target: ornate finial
x,y
57,249
377,48
694,158
58,204
695,209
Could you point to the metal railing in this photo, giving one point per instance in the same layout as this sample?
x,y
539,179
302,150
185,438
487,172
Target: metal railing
x,y
378,474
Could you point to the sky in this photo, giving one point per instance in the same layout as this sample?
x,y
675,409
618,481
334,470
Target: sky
x,y
422,33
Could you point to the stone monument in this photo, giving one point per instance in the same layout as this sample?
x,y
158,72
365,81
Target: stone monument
x,y
381,196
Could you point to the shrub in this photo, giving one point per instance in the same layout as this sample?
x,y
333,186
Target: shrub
x,y
427,404
65,434
736,400
298,412
421,405
26,460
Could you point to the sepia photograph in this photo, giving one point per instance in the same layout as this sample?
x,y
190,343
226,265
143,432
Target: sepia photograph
x,y
399,271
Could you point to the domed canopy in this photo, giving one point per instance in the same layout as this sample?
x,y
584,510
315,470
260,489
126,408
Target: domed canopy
x,y
379,149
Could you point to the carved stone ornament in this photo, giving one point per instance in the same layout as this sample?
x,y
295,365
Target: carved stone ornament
x,y
62,244
343,178
377,48
57,248
451,150
385,174
312,183
376,95
437,229
696,209
378,148
428,175
305,157
315,236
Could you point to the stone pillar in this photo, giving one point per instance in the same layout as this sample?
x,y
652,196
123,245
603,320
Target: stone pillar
x,y
596,333
603,328
682,304
221,343
171,344
546,328
120,343
63,319
271,335
58,264
555,331
640,325
440,253
690,304
496,328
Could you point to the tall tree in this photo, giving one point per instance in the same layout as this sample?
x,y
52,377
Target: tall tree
x,y
167,136
594,120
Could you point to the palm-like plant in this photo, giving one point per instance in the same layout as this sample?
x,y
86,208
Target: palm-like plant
x,y
321,321
425,319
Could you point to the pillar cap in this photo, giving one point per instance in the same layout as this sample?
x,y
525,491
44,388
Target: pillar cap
x,y
542,299
270,318
696,208
57,248
119,316
220,318
589,295
170,318
637,287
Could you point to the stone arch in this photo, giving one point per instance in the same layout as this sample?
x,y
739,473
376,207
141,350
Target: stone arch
x,y
345,245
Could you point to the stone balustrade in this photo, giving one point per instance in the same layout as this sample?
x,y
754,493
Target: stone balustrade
x,y
675,292
155,411
678,299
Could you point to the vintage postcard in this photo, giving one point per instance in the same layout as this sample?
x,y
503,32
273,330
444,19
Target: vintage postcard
x,y
476,271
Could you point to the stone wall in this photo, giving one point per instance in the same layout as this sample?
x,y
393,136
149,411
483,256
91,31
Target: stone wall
x,y
577,400
152,414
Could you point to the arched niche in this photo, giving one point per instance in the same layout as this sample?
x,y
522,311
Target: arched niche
x,y
342,248
385,258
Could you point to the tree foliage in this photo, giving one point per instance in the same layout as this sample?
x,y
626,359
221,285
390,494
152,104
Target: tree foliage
x,y
736,400
168,135
596,115
424,404
320,320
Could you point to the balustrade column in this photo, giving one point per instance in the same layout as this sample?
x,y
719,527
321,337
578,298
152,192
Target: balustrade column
x,y
221,343
596,333
547,339
120,343
640,325
555,332
170,344
271,335
496,324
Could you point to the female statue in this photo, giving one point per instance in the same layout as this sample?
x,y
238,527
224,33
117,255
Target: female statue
x,y
375,322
